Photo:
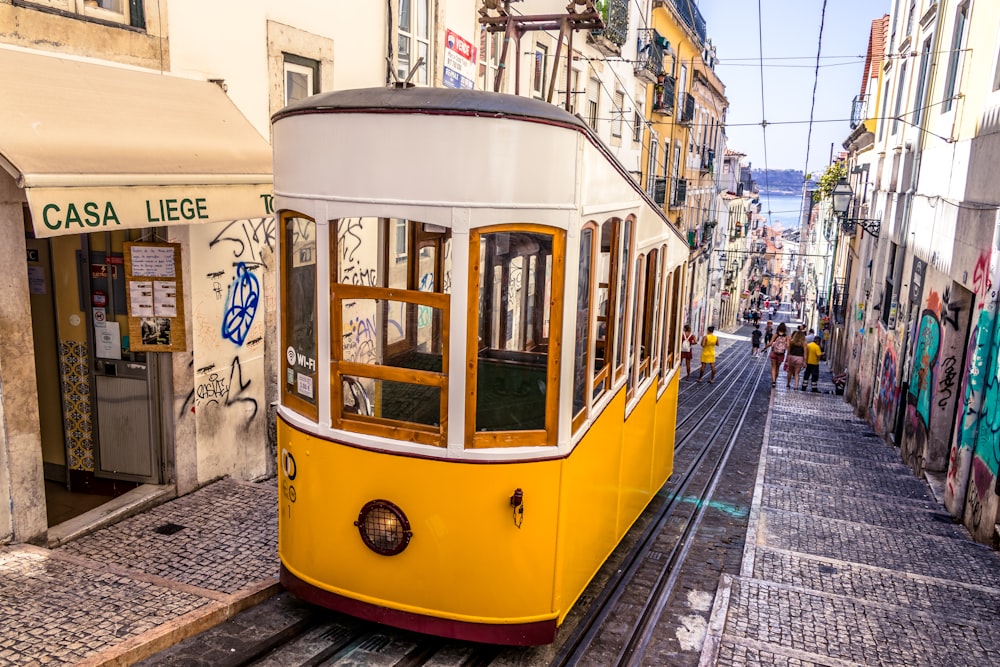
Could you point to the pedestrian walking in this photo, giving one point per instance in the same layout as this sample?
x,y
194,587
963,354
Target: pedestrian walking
x,y
779,345
768,331
796,359
687,340
755,338
813,354
708,343
755,316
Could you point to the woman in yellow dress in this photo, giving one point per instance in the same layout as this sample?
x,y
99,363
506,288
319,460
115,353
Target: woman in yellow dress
x,y
708,343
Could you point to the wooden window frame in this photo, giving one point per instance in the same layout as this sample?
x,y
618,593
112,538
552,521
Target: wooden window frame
x,y
604,375
648,336
634,370
627,229
580,418
289,399
340,292
528,438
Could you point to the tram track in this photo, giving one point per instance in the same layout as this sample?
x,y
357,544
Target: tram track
x,y
586,636
633,596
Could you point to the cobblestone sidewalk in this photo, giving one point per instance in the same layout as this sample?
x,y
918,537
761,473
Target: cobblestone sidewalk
x,y
134,588
850,560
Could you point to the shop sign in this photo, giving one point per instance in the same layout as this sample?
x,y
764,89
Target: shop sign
x,y
74,210
459,62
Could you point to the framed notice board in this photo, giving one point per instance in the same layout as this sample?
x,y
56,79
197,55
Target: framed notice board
x,y
155,297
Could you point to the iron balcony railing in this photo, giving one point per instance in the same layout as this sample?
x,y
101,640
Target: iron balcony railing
x,y
649,60
615,15
838,301
688,11
859,110
663,95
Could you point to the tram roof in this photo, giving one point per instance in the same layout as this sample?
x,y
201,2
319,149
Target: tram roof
x,y
431,100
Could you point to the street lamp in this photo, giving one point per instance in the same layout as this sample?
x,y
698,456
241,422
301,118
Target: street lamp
x,y
842,196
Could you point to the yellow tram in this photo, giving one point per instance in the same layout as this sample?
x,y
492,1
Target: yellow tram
x,y
479,319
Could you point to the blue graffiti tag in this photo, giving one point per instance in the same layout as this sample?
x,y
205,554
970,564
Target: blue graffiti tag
x,y
241,305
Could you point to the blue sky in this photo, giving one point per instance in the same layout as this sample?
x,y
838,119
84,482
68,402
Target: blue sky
x,y
789,40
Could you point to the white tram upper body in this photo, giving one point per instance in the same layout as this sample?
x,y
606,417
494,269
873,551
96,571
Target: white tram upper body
x,y
479,317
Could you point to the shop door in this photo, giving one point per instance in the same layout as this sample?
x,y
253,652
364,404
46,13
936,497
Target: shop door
x,y
126,386
43,326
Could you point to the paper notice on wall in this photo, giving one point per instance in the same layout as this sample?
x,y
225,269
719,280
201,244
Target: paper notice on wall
x,y
140,295
165,298
108,341
36,280
151,260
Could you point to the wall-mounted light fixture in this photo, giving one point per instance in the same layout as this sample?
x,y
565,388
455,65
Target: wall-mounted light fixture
x,y
843,197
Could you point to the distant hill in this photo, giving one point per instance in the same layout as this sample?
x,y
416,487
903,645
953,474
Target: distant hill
x,y
779,181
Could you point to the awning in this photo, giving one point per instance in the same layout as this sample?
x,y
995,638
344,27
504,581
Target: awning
x,y
98,147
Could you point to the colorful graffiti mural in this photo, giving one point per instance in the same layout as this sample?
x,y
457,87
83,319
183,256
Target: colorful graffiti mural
x,y
886,393
921,388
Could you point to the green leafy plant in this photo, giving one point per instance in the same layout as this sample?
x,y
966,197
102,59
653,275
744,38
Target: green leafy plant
x,y
828,181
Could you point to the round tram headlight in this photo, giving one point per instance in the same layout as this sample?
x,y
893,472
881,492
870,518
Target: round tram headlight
x,y
384,528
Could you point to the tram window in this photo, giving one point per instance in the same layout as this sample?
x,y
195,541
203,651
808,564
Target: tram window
x,y
673,322
632,371
298,314
605,275
650,336
624,262
514,377
389,327
581,362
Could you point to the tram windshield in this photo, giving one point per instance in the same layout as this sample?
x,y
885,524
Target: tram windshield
x,y
389,327
514,324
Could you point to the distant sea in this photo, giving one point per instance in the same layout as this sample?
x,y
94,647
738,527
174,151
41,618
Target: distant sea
x,y
783,210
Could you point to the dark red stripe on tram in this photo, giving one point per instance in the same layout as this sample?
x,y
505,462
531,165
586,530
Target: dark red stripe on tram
x,y
514,634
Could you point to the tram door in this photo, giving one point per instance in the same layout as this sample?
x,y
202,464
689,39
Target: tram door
x,y
125,384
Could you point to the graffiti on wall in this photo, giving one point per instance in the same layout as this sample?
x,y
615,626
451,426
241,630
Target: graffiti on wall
x,y
921,387
230,263
886,391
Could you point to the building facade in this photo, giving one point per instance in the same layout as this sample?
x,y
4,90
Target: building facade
x,y
919,338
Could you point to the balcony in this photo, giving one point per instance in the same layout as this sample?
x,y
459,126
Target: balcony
x,y
838,301
609,41
859,110
707,160
649,58
689,13
685,107
663,95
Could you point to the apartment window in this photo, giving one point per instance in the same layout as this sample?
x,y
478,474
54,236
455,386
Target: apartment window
x,y
996,77
540,72
413,39
654,148
490,46
636,127
619,121
921,103
592,106
910,15
301,78
955,57
899,98
881,121
115,11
